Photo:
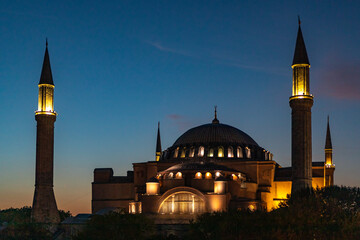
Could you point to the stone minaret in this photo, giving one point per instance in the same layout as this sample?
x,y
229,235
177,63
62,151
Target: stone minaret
x,y
44,209
158,144
301,102
329,165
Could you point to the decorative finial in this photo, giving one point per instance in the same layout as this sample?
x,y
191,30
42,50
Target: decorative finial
x,y
46,42
215,121
299,20
158,124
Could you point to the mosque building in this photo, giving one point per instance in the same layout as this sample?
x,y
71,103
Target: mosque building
x,y
212,167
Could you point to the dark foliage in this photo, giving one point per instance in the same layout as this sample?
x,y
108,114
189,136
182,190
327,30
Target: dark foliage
x,y
19,225
118,226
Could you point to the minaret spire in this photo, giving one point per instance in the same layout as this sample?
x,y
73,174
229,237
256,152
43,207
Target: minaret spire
x,y
328,144
46,75
300,55
158,144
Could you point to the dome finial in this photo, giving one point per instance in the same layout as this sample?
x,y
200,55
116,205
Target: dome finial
x,y
215,121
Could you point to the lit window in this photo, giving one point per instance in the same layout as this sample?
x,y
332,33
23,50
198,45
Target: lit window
x,y
201,151
171,175
248,152
234,177
266,155
198,175
217,174
178,175
182,203
183,151
230,152
192,152
239,152
220,152
208,175
211,152
176,152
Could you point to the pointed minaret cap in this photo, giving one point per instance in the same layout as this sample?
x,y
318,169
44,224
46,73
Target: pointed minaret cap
x,y
158,140
215,121
300,55
328,144
46,75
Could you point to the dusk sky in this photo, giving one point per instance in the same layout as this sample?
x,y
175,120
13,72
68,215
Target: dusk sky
x,y
119,67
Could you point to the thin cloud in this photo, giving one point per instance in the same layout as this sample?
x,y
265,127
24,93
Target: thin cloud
x,y
180,121
163,48
174,116
340,81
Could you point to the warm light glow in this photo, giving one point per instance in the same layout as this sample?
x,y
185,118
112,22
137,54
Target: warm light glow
x,y
192,152
217,174
301,80
230,152
248,152
171,175
220,152
219,187
198,175
182,203
208,175
46,99
178,175
176,152
234,177
251,207
239,152
201,151
152,188
173,204
183,152
211,152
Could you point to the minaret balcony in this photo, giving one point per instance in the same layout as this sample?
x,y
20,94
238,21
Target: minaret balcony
x,y
45,113
302,97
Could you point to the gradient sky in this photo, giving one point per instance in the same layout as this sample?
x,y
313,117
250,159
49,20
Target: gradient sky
x,y
119,67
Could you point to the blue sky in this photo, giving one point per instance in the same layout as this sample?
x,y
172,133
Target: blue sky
x,y
119,67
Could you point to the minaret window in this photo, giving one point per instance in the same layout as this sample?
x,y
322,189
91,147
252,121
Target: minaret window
x,y
239,152
201,151
230,152
220,152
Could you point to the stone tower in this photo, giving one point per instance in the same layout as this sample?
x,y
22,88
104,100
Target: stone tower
x,y
44,209
329,165
158,144
301,102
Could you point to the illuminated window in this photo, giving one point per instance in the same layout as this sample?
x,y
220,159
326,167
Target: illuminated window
x,y
171,175
192,152
198,175
201,151
178,175
176,152
208,175
211,152
248,152
234,177
220,152
230,152
183,152
266,155
239,152
182,203
217,174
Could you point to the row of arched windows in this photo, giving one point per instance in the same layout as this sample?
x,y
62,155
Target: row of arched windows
x,y
200,175
183,152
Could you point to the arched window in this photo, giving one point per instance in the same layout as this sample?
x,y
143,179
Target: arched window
x,y
271,156
170,175
230,152
192,152
211,152
220,152
201,151
183,152
182,203
248,152
208,175
176,152
178,175
198,175
239,152
266,155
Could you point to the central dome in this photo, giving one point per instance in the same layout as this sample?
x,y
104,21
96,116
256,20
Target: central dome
x,y
214,134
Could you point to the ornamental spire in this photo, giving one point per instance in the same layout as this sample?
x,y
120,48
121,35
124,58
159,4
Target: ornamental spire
x,y
215,121
46,75
300,55
158,144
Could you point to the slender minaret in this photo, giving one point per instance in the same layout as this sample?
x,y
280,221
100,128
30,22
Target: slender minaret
x,y
329,165
301,102
44,208
158,144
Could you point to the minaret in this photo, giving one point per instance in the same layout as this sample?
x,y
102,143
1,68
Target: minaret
x,y
301,102
328,147
158,144
44,209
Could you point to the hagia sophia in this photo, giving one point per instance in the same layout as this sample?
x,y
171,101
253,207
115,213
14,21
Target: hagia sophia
x,y
211,167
